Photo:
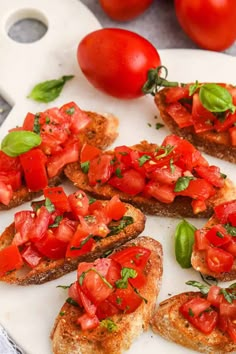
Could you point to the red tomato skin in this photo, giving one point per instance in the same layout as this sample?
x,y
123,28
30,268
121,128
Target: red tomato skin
x,y
219,260
10,259
106,73
58,197
209,23
124,10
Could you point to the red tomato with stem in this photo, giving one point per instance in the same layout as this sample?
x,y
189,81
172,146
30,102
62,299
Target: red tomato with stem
x,y
209,23
120,65
124,10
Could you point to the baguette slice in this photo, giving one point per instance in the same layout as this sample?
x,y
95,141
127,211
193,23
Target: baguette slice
x,y
180,207
68,338
209,143
52,269
198,259
170,324
101,132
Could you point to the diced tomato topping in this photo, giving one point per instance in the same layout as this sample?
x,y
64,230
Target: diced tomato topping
x,y
88,322
6,193
88,152
215,296
126,300
198,312
115,209
56,162
232,132
79,119
106,309
31,256
65,230
79,203
211,174
24,221
218,236
34,166
40,225
174,94
28,123
223,210
228,122
58,198
12,178
203,119
162,192
219,260
232,219
80,244
131,182
180,114
198,189
201,242
51,247
100,169
166,175
198,206
10,259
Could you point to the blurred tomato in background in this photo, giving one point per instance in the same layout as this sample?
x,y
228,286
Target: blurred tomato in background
x,y
124,10
211,24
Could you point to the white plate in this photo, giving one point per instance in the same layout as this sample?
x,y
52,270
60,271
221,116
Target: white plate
x,y
28,312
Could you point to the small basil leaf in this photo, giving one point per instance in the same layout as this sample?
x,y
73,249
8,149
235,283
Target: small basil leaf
x,y
216,98
182,183
184,239
193,88
202,287
18,142
49,90
143,159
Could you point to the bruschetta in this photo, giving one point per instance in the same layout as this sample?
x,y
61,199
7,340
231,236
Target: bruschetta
x,y
207,122
60,231
62,132
202,320
173,179
111,302
214,249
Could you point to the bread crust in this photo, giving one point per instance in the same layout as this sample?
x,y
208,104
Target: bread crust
x,y
211,146
48,270
180,207
68,338
101,132
170,324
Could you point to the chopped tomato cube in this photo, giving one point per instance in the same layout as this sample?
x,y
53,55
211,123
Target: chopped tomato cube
x,y
11,177
51,247
198,189
65,229
131,182
218,236
180,114
232,132
80,244
219,260
201,242
79,119
228,122
198,205
174,94
88,322
58,198
28,123
162,192
6,193
211,174
100,169
31,256
203,119
10,259
79,203
56,162
88,152
34,166
115,208
40,224
223,210
126,300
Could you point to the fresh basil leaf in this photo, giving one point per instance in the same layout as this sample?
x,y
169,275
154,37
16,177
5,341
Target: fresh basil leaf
x,y
202,287
193,88
216,98
49,90
184,240
18,142
182,183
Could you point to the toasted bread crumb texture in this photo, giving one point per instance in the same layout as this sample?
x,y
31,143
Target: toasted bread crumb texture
x,y
170,324
68,338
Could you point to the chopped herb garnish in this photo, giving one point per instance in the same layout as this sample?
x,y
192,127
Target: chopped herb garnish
x,y
202,287
159,125
190,312
125,221
126,273
143,159
70,111
71,301
172,166
64,286
62,313
219,234
49,205
182,183
109,325
118,173
82,276
230,229
85,166
36,128
56,221
82,243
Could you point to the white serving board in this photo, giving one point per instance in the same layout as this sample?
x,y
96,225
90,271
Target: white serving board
x,y
28,312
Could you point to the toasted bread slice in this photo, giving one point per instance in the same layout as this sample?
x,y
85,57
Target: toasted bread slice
x,y
170,324
180,207
198,259
101,132
67,337
207,141
52,269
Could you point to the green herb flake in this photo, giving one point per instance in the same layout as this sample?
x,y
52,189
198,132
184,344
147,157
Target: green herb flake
x,y
49,205
85,166
110,325
219,234
70,111
57,221
159,125
190,312
182,183
143,159
62,313
72,302
230,229
36,128
126,273
49,90
204,289
118,172
18,142
125,221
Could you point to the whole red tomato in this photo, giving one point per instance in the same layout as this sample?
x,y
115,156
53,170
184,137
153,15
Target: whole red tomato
x,y
124,10
209,23
116,61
